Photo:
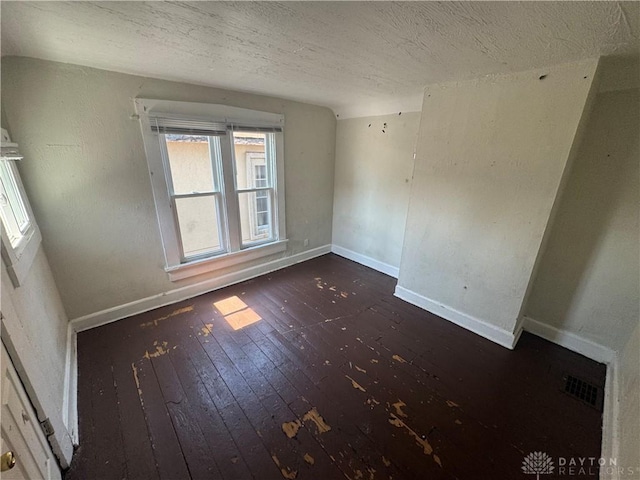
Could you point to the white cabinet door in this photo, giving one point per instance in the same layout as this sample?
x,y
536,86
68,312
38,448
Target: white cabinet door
x,y
21,432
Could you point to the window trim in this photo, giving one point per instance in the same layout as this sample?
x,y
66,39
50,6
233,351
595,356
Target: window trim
x,y
175,266
19,258
251,167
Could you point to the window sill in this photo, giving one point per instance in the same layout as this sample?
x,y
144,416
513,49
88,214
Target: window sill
x,y
20,259
198,267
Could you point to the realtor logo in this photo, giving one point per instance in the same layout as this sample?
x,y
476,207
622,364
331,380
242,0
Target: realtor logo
x,y
537,463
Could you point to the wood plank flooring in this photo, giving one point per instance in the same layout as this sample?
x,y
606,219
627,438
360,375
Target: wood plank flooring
x,y
331,377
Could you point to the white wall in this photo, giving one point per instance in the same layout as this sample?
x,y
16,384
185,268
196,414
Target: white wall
x,y
89,184
372,184
35,326
588,282
491,155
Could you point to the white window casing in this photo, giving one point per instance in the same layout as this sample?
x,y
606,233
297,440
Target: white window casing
x,y
160,120
21,236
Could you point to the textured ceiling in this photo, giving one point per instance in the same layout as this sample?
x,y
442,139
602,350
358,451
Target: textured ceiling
x,y
355,57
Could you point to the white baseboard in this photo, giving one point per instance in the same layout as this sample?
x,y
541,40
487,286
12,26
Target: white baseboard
x,y
366,261
498,335
70,394
569,340
179,294
611,420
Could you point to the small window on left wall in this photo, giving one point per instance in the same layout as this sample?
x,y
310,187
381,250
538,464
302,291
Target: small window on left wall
x,y
20,234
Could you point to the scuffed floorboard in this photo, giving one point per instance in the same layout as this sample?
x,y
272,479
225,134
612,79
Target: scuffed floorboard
x,y
319,372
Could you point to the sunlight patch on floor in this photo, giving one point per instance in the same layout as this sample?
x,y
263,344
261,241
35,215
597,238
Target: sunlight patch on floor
x,y
237,313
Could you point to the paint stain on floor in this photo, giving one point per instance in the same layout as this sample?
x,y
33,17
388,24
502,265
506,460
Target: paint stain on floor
x,y
398,407
161,349
287,472
291,428
313,416
397,422
179,311
137,380
355,384
399,359
309,459
372,402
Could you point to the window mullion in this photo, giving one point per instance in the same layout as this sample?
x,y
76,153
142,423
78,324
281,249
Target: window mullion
x,y
231,199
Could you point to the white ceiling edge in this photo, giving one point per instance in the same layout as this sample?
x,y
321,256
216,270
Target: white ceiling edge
x,y
378,107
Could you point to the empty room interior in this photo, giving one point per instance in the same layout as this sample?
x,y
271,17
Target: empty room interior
x,y
318,240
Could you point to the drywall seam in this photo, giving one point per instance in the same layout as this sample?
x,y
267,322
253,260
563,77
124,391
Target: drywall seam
x,y
112,314
578,137
366,261
570,341
497,335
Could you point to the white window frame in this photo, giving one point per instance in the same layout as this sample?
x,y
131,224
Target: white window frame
x,y
19,257
253,160
177,267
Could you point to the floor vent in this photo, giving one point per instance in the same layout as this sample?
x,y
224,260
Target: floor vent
x,y
584,391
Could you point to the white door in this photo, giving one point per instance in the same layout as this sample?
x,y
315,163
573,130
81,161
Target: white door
x,y
21,432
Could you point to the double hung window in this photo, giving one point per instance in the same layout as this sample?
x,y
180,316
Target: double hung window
x,y
217,176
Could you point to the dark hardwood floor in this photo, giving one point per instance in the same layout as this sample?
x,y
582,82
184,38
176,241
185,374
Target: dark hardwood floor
x,y
335,378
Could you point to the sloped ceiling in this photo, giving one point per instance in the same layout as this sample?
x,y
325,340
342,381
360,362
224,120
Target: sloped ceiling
x,y
354,57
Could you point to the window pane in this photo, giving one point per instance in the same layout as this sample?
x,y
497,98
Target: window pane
x,y
255,216
199,225
260,172
192,170
13,195
12,209
250,163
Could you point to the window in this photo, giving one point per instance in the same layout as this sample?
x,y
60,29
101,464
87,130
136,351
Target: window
x,y
14,214
218,183
20,234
